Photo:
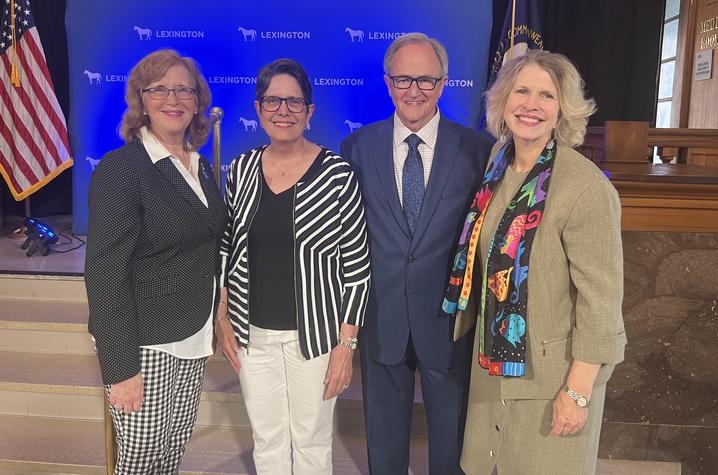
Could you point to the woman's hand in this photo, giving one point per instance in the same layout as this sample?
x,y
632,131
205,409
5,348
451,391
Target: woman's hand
x,y
224,336
128,395
339,372
568,418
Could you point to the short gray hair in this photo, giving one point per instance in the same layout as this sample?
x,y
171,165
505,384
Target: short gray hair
x,y
574,107
417,38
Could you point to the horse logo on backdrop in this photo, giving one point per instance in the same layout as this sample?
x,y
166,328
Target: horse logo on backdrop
x,y
249,35
93,163
357,35
249,125
94,78
143,33
353,125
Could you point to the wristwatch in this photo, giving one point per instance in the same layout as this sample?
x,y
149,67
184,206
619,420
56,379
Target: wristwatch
x,y
580,400
350,342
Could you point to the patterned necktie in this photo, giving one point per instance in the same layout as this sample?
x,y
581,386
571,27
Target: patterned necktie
x,y
413,182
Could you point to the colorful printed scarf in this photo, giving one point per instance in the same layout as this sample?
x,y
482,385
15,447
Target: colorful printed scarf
x,y
505,273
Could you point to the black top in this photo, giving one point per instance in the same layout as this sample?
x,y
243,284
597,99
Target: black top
x,y
272,302
331,261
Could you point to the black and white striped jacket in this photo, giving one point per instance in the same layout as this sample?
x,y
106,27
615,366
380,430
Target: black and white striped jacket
x,y
331,251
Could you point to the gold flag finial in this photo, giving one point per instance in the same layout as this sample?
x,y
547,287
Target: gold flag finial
x,y
14,60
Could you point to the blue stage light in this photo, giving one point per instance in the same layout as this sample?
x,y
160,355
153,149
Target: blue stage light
x,y
39,237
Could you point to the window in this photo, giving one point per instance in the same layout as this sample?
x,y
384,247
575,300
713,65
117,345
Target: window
x,y
669,47
668,64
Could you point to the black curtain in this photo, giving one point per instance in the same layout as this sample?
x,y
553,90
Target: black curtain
x,y
56,196
615,44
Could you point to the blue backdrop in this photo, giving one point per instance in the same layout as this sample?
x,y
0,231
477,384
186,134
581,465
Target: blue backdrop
x,y
340,44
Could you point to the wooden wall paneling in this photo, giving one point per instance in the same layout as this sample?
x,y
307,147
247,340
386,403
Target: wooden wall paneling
x,y
625,141
683,77
703,156
669,207
703,112
592,146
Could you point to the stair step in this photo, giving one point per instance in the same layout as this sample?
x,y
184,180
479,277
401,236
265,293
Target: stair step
x,y
60,446
70,387
44,445
42,287
45,326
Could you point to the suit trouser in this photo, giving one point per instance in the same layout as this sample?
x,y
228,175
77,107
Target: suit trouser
x,y
152,440
388,393
291,423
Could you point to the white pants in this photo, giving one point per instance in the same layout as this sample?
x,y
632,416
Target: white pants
x,y
291,424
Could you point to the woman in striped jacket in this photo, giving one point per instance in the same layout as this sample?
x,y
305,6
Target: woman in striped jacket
x,y
295,279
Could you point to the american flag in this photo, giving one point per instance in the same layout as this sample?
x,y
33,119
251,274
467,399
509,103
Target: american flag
x,y
33,134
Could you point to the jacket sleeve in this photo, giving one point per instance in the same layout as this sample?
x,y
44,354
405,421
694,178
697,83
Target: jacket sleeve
x,y
113,233
225,245
354,252
592,241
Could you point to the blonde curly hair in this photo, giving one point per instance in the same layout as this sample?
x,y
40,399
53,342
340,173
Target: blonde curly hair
x,y
574,107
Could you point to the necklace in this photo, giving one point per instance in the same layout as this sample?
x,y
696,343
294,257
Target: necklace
x,y
179,156
294,162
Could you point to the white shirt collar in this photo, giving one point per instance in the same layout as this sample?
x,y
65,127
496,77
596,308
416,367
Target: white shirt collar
x,y
156,150
427,134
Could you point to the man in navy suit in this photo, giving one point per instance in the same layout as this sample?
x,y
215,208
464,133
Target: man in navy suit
x,y
417,172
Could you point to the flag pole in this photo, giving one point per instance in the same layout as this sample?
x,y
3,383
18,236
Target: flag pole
x,y
512,34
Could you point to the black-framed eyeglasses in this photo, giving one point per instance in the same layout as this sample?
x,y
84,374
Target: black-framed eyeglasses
x,y
160,92
273,103
425,83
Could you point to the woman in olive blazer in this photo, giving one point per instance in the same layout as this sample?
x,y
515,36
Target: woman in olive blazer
x,y
540,366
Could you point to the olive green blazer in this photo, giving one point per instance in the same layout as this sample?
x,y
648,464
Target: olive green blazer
x,y
575,282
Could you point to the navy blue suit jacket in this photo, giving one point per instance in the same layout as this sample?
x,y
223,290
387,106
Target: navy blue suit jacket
x,y
409,274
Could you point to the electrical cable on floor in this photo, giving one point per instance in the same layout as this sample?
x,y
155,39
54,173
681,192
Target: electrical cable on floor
x,y
70,240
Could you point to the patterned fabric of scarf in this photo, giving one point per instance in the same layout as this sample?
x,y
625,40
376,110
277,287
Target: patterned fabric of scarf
x,y
504,288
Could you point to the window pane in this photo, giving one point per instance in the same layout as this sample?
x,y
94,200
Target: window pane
x,y
672,8
670,39
665,85
663,115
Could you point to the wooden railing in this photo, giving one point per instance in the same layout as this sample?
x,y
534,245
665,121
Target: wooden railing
x,y
679,194
624,141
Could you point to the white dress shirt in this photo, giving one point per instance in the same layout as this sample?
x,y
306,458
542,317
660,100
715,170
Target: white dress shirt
x,y
428,135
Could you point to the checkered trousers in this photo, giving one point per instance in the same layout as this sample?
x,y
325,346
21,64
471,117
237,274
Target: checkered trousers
x,y
152,441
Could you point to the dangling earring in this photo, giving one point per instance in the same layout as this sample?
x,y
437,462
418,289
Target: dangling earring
x,y
551,141
308,126
504,132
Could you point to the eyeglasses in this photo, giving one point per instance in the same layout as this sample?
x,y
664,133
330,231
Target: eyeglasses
x,y
273,103
182,93
425,83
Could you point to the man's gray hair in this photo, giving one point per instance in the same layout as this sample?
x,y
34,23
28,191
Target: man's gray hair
x,y
414,38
